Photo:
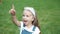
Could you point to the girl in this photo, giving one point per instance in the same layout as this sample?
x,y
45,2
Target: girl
x,y
29,23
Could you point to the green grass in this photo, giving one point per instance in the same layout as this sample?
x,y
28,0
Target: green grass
x,y
48,12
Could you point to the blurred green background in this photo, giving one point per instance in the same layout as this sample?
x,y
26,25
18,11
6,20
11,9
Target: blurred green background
x,y
48,12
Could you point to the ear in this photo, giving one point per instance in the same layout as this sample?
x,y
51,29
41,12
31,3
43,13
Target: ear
x,y
32,18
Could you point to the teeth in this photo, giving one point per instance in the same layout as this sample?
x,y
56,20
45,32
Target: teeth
x,y
25,21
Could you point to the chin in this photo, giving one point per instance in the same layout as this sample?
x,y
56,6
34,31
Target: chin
x,y
26,23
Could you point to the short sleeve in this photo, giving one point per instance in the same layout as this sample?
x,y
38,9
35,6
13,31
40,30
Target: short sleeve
x,y
21,27
37,31
21,24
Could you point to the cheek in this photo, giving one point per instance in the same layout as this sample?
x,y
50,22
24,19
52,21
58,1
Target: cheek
x,y
29,19
22,17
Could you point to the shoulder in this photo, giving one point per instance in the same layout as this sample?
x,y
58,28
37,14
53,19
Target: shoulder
x,y
37,30
21,24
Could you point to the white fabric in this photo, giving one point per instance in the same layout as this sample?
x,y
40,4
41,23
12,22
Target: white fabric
x,y
37,31
31,9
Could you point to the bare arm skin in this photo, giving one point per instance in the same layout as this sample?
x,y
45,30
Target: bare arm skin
x,y
13,14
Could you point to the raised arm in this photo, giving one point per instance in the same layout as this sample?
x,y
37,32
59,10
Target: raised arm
x,y
13,14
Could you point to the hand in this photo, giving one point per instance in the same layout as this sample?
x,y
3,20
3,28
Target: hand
x,y
12,11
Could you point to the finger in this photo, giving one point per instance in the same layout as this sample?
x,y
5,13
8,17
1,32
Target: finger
x,y
10,11
12,6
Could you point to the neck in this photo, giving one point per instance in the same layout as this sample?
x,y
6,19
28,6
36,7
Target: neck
x,y
29,25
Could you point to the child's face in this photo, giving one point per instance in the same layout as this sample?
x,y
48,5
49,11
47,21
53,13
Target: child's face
x,y
27,17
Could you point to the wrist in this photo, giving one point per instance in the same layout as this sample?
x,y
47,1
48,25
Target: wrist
x,y
13,15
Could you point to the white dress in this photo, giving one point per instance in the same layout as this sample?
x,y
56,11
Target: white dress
x,y
37,31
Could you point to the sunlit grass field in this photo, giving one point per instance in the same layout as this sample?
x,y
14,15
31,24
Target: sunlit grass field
x,y
48,13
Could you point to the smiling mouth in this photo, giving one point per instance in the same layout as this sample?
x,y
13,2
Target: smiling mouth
x,y
24,20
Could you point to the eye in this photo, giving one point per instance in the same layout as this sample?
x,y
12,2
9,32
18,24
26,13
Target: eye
x,y
27,15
